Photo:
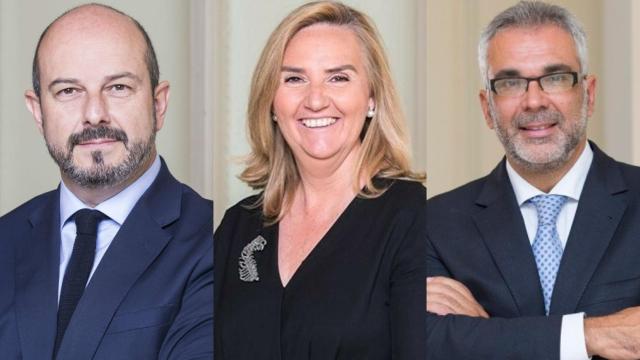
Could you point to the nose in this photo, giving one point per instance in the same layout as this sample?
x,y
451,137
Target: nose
x,y
535,98
95,111
316,98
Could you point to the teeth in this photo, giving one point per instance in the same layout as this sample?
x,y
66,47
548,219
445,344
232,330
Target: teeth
x,y
540,127
315,123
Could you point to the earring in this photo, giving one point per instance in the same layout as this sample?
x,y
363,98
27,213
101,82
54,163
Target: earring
x,y
371,113
274,118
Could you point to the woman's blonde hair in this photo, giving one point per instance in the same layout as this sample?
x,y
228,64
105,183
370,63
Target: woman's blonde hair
x,y
385,150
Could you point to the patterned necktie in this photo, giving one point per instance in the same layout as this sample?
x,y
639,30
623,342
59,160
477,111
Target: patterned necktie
x,y
78,269
547,248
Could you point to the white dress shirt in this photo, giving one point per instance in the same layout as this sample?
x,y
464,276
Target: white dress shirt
x,y
572,341
117,208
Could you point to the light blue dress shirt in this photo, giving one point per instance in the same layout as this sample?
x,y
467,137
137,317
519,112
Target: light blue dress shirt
x,y
117,208
572,340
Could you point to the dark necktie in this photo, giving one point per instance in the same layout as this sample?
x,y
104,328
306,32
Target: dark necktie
x,y
78,269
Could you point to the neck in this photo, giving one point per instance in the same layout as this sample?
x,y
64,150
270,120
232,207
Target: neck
x,y
325,183
547,179
94,196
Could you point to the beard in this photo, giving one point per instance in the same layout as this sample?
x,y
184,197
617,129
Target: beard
x,y
529,153
100,174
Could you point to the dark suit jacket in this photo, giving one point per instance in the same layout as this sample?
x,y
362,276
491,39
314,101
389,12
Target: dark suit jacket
x,y
476,235
151,296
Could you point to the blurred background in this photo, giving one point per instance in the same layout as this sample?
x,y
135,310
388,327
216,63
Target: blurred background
x,y
186,139
244,27
460,147
208,49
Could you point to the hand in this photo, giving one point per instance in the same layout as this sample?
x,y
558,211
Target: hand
x,y
615,336
447,296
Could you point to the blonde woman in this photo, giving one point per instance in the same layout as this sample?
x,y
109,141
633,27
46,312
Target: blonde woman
x,y
328,260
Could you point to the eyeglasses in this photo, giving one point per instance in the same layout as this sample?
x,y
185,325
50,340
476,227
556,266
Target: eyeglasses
x,y
550,83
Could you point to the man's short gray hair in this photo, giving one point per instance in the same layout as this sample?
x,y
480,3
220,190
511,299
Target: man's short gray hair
x,y
527,14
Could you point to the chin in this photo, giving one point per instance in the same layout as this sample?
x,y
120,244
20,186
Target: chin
x,y
321,154
99,158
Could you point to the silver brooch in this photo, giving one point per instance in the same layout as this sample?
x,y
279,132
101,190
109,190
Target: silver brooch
x,y
247,265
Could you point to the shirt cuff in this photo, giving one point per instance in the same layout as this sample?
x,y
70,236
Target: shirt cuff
x,y
572,342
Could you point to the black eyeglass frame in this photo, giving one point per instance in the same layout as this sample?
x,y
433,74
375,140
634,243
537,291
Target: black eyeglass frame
x,y
536,79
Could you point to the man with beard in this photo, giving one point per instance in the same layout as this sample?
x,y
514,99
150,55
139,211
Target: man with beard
x,y
117,263
537,260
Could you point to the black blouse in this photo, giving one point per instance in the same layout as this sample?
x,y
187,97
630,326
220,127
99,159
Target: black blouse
x,y
359,294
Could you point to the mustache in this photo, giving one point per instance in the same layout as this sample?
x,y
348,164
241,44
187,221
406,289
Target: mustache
x,y
99,132
545,116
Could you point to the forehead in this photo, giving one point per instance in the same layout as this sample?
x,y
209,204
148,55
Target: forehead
x,y
91,44
528,51
325,43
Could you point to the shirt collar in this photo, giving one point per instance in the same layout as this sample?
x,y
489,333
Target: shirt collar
x,y
117,207
570,185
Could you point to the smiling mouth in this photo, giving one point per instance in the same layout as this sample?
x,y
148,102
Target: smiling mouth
x,y
319,122
538,127
538,130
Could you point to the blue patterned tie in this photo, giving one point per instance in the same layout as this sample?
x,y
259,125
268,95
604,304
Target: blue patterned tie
x,y
547,248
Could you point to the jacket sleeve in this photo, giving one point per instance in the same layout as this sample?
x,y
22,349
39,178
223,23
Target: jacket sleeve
x,y
464,337
191,334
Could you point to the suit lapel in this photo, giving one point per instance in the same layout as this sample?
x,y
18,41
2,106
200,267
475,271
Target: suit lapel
x,y
37,267
502,228
139,241
597,217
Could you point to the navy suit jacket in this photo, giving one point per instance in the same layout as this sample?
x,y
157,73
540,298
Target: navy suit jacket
x,y
151,296
476,235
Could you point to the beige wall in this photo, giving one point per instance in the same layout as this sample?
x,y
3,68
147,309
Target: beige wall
x,y
242,27
208,52
25,167
460,147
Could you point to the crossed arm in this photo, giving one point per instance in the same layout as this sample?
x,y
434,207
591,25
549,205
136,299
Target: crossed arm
x,y
472,333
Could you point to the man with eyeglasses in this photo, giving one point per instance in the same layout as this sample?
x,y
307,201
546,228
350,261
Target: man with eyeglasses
x,y
539,259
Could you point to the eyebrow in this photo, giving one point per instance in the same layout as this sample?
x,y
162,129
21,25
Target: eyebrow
x,y
298,70
549,69
125,74
557,68
291,69
62,81
342,68
506,73
109,78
